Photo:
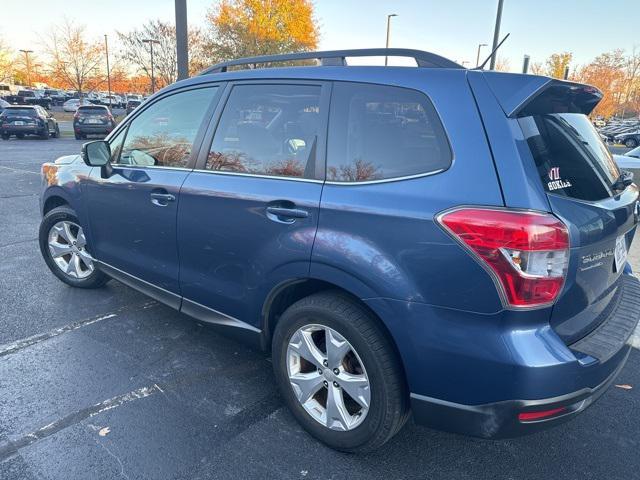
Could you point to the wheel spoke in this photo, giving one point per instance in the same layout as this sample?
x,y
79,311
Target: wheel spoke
x,y
357,386
81,240
306,385
337,348
68,236
337,414
303,345
59,249
72,266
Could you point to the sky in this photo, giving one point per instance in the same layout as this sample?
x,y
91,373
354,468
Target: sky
x,y
452,28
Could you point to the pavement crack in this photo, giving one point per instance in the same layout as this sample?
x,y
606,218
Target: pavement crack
x,y
12,447
122,474
16,346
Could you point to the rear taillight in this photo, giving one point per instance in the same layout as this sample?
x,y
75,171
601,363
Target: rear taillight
x,y
527,252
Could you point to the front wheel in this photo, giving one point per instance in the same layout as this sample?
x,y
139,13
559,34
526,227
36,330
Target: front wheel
x,y
630,143
64,248
338,372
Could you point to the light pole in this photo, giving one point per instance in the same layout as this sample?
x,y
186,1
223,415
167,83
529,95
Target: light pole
x,y
496,35
480,45
388,34
106,50
26,57
182,39
151,41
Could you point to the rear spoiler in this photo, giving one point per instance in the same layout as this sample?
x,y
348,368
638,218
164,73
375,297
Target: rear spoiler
x,y
524,95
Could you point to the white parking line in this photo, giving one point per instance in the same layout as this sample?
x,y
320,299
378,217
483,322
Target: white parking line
x,y
13,347
12,447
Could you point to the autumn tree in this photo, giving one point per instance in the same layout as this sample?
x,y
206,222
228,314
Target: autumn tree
x,y
557,63
244,28
606,72
6,62
75,60
165,59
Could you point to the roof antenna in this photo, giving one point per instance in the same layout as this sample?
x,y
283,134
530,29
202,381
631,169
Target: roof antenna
x,y
492,53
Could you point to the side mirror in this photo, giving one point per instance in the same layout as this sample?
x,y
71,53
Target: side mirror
x,y
98,154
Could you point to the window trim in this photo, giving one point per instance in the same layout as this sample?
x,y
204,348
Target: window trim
x,y
404,177
197,141
321,143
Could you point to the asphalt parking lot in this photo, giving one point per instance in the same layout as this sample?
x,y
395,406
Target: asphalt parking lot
x,y
108,384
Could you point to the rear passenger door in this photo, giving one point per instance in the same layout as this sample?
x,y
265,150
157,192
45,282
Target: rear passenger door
x,y
248,214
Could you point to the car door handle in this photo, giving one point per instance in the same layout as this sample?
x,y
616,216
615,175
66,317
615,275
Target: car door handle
x,y
283,214
162,199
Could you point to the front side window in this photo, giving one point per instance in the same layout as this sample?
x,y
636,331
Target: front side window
x,y
268,130
163,135
570,157
380,132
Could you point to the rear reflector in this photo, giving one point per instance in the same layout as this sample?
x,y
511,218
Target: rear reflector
x,y
527,252
541,415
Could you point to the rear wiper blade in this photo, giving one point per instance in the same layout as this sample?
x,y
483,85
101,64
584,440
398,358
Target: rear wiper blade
x,y
623,181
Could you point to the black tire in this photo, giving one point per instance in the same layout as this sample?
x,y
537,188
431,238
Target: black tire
x,y
45,135
631,143
20,136
6,137
56,132
78,136
95,280
389,404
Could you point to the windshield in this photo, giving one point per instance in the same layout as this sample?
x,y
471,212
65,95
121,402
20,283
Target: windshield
x,y
570,156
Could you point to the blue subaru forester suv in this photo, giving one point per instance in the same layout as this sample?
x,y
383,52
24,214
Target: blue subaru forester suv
x,y
428,239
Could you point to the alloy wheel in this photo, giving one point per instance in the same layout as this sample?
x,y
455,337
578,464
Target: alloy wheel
x,y
328,377
68,248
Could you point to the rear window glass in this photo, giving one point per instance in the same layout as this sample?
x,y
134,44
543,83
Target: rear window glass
x,y
379,132
570,156
20,112
92,110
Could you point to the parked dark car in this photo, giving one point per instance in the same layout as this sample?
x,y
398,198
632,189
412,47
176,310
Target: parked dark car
x,y
132,105
432,239
27,120
29,97
630,140
92,120
57,96
3,104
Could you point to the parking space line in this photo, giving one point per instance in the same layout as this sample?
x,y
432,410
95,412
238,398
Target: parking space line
x,y
10,448
16,346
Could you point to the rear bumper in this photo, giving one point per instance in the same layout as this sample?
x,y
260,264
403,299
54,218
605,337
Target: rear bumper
x,y
24,129
500,419
92,128
476,373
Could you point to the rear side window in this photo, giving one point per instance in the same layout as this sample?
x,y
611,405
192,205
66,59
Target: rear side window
x,y
570,157
92,110
380,132
268,130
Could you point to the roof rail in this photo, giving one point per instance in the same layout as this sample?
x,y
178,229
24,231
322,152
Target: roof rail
x,y
338,58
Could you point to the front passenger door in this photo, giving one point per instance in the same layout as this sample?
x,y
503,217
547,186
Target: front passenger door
x,y
132,213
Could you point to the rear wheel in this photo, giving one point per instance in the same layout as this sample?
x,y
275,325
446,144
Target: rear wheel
x,y
56,132
64,248
338,372
5,136
630,143
78,136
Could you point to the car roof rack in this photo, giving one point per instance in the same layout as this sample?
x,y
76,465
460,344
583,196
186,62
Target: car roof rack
x,y
338,58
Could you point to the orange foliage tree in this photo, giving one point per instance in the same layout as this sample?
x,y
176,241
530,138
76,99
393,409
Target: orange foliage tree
x,y
242,28
606,72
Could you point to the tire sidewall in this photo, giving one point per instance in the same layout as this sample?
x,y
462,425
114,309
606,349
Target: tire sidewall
x,y
50,219
291,321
